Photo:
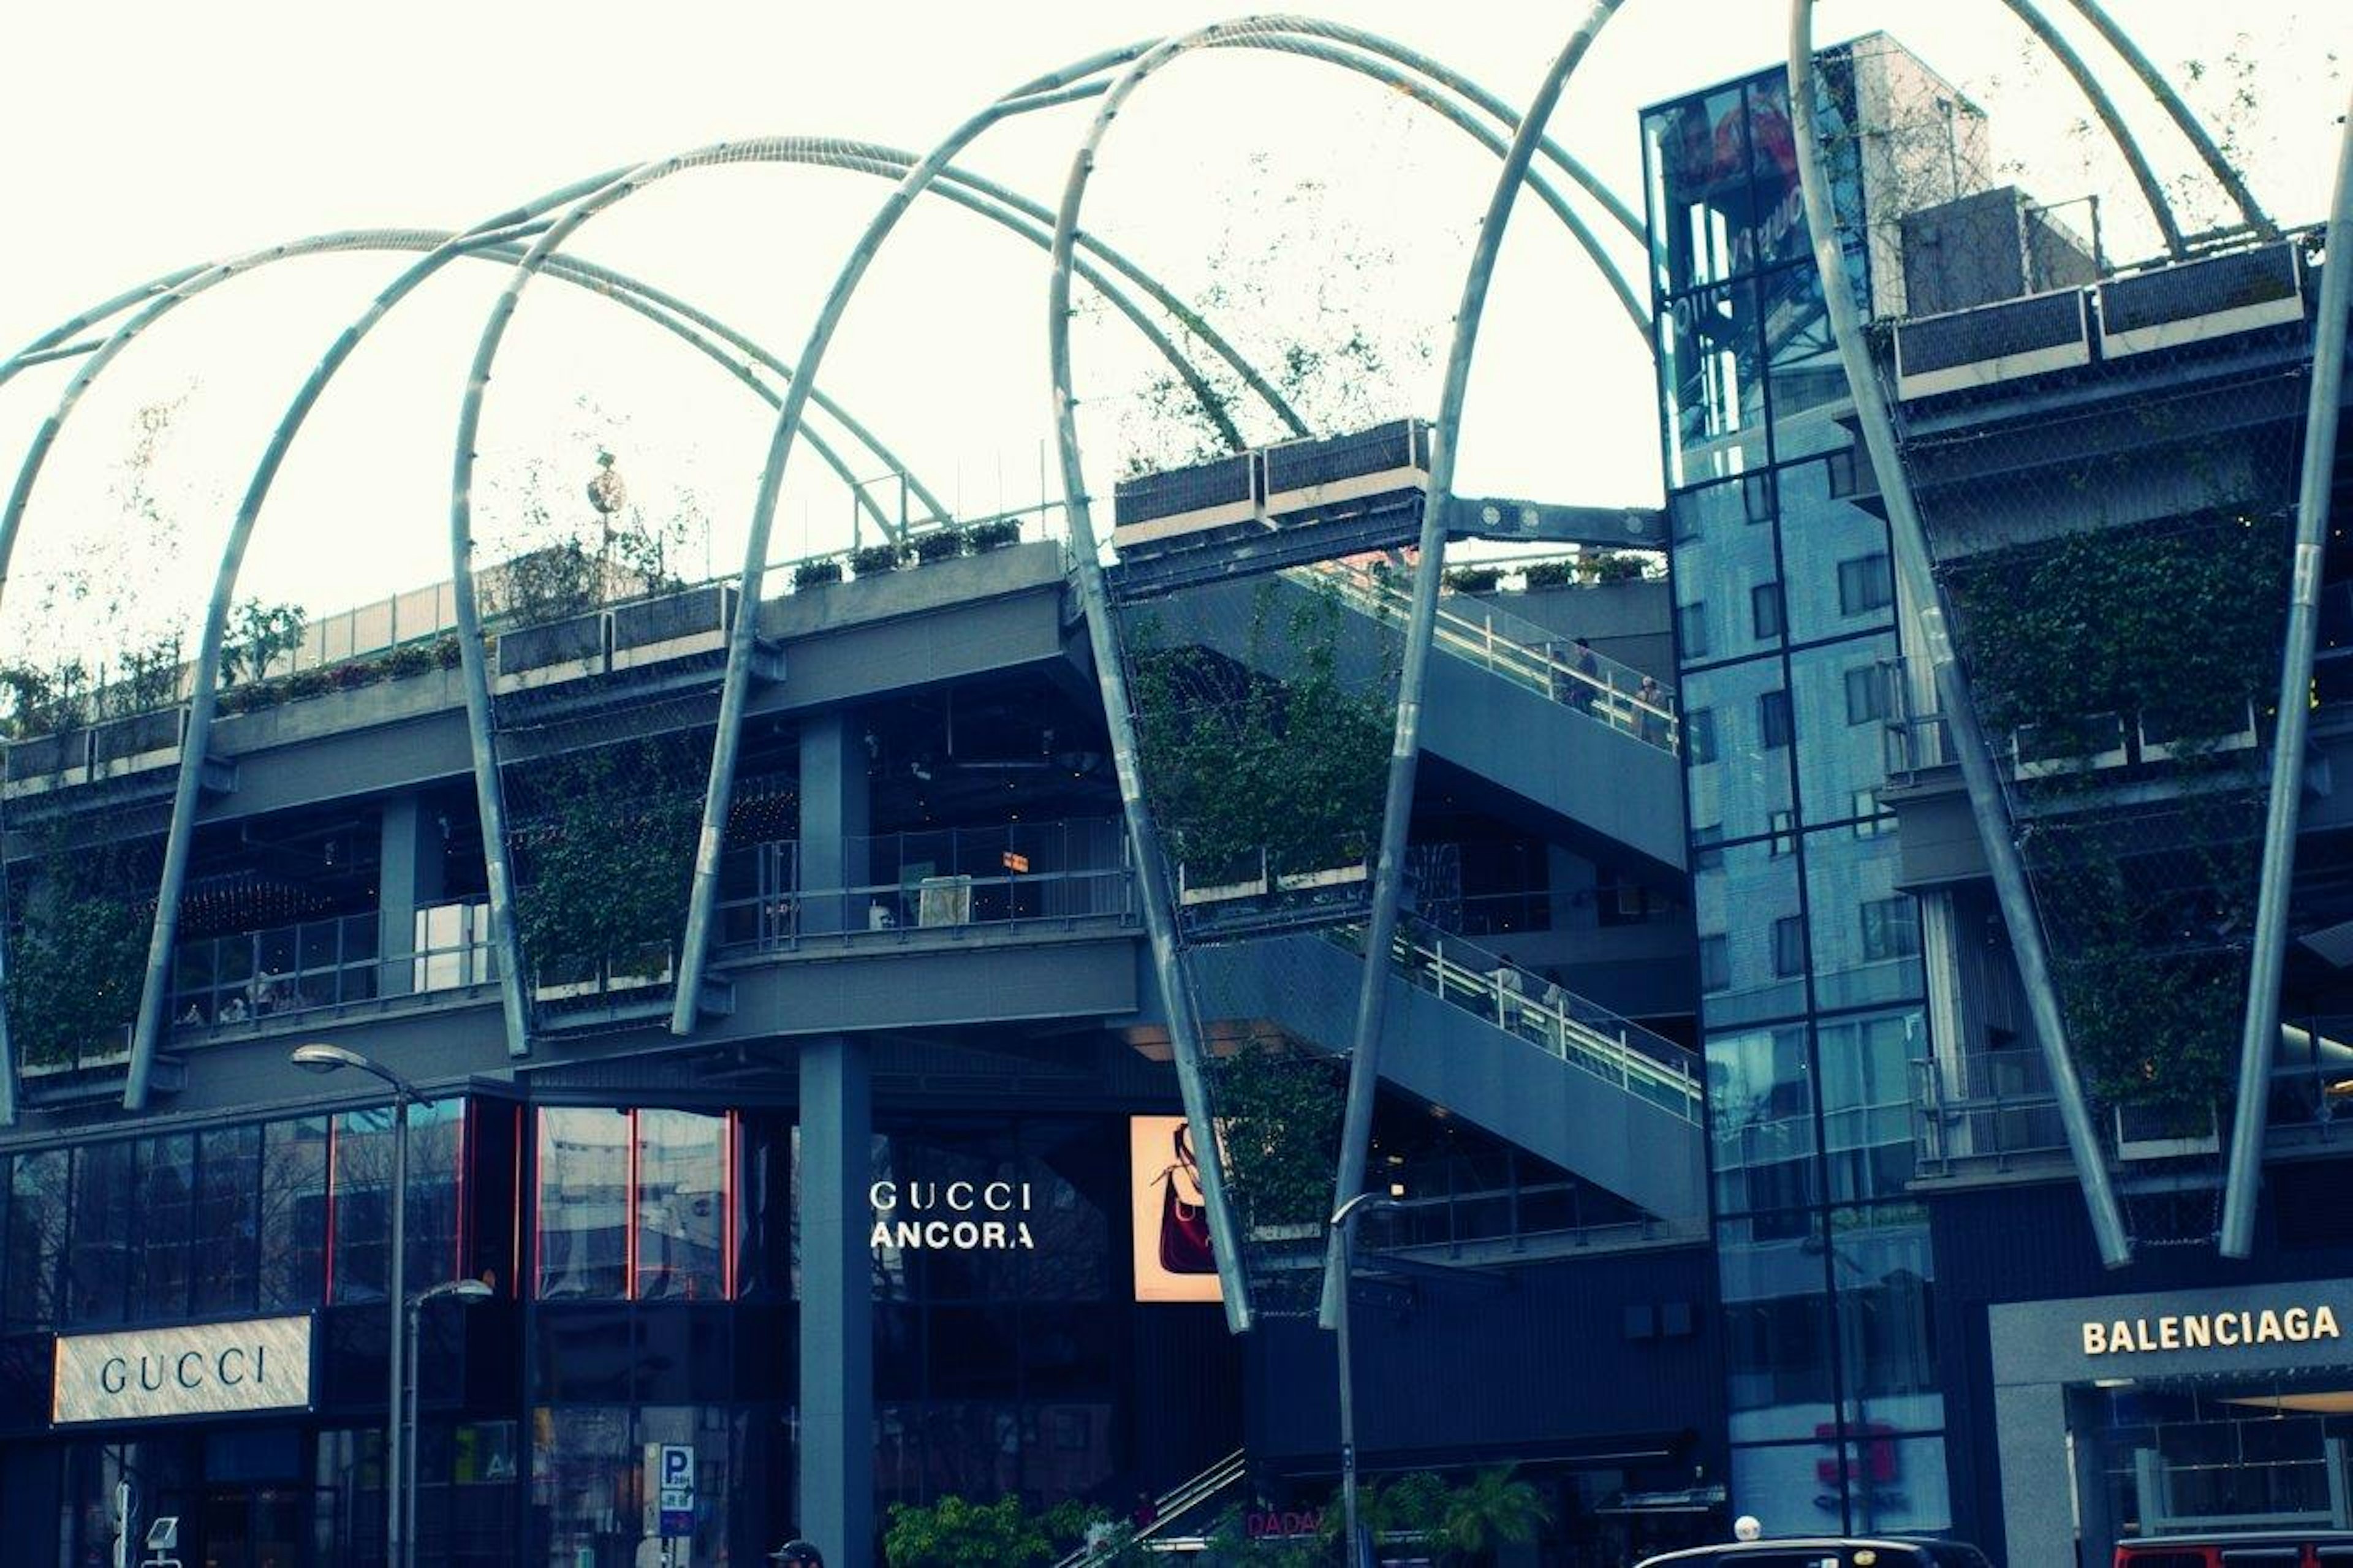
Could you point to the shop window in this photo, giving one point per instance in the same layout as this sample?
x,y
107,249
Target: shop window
x,y
98,1255
362,1182
164,1180
682,1161
227,1260
36,1237
294,1214
635,1204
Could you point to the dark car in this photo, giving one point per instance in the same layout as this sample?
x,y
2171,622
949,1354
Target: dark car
x,y
1827,1552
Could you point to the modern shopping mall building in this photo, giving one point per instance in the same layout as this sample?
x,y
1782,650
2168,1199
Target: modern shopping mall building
x,y
1731,1176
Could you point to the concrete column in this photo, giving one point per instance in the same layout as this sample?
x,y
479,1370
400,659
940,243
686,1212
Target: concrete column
x,y
2038,1495
834,804
837,1348
408,873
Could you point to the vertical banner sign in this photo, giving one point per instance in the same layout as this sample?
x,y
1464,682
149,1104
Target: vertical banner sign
x,y
1173,1261
677,1489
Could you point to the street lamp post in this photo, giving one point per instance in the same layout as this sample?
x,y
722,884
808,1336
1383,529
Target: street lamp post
x,y
465,1292
325,1058
1343,1222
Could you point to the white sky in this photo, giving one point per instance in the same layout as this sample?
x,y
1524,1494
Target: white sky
x,y
141,138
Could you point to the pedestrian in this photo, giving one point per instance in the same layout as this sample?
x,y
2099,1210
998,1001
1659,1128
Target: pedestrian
x,y
1589,680
796,1554
1651,713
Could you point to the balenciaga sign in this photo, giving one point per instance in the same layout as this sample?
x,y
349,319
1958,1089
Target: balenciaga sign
x,y
2203,1330
205,1369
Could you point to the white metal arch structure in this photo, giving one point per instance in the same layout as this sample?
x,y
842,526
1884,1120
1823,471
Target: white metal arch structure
x,y
1920,585
693,947
673,314
1397,809
695,328
2236,1235
983,196
1290,34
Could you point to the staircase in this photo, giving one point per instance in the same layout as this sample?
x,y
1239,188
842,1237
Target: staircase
x,y
1596,1094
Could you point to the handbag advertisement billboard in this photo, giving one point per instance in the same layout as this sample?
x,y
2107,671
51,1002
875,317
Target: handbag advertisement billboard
x,y
1173,1261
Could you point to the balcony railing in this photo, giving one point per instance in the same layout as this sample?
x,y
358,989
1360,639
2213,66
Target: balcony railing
x,y
247,978
946,882
1519,650
1581,1033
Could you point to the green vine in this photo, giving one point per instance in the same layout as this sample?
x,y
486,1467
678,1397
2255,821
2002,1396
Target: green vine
x,y
2148,906
1279,1121
1241,763
606,858
77,952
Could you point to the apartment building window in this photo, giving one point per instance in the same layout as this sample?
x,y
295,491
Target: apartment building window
x,y
1704,856
1891,928
1866,693
1757,497
1841,468
1788,947
1870,821
1765,610
1714,963
1784,827
1867,582
1699,735
1772,719
1691,629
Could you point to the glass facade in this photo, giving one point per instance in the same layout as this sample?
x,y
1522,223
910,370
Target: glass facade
x,y
1812,998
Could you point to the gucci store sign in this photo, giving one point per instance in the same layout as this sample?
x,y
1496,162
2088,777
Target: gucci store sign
x,y
205,1369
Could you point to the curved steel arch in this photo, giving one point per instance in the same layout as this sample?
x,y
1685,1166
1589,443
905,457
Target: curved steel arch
x,y
656,305
1295,35
1920,587
2191,127
2268,952
976,194
1278,32
690,968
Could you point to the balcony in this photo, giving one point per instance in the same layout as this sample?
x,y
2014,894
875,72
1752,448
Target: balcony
x,y
247,982
942,887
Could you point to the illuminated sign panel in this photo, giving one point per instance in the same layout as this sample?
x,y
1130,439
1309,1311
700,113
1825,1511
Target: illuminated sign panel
x,y
1173,1259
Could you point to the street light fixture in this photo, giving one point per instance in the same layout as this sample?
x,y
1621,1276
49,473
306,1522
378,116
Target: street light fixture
x,y
1343,1221
324,1058
466,1293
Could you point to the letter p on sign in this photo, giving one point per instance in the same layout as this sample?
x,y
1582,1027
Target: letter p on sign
x,y
677,1467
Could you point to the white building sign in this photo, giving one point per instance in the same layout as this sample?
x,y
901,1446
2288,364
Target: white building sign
x,y
205,1369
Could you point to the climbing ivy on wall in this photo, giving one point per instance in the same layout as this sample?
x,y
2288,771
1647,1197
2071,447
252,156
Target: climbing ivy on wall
x,y
605,856
1236,761
77,951
2147,899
